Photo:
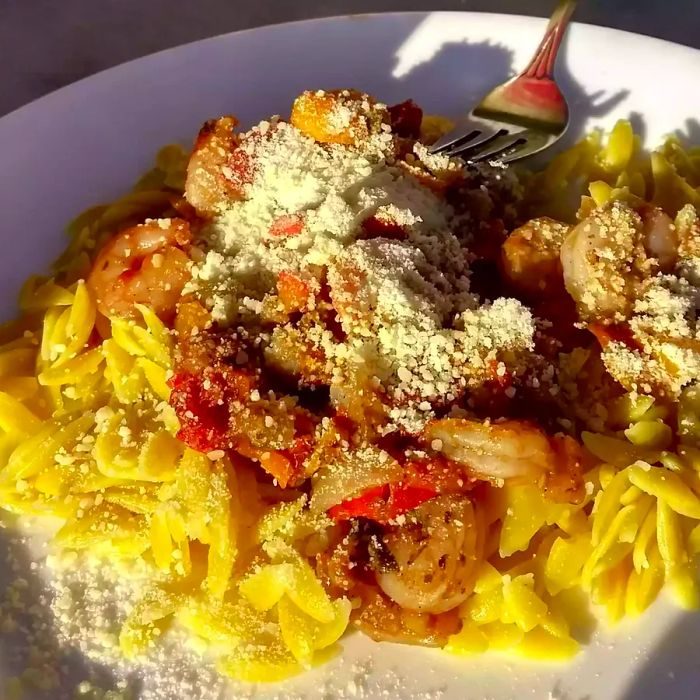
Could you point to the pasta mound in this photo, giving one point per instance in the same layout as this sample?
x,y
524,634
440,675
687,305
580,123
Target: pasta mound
x,y
88,437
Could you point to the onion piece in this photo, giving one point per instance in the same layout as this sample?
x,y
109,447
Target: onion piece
x,y
351,473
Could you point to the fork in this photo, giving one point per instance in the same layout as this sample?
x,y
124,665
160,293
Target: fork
x,y
521,117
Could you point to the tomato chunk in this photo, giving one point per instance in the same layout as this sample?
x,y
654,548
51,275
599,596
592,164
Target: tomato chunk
x,y
201,404
287,225
286,466
406,118
404,497
378,227
617,332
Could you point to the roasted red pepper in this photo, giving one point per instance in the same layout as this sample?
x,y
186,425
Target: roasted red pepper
x,y
376,227
201,404
382,503
615,332
406,118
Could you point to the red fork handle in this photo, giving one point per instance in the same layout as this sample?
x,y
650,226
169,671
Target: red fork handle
x,y
542,63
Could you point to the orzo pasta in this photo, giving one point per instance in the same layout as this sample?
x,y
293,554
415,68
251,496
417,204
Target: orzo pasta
x,y
312,377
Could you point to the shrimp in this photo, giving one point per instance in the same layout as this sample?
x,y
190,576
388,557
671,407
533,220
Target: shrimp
x,y
434,556
616,267
607,256
530,257
687,225
217,169
349,567
144,264
512,449
384,620
660,237
493,451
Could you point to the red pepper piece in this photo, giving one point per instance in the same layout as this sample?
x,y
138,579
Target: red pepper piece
x,y
287,225
382,503
406,118
375,227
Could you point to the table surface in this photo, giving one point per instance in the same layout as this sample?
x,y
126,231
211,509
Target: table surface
x,y
45,44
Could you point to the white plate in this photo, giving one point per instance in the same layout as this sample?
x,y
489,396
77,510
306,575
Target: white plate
x,y
89,141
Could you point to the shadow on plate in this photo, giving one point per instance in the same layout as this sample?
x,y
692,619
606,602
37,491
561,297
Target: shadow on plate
x,y
28,635
690,133
440,84
672,670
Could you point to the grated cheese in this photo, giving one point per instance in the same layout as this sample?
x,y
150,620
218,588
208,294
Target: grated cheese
x,y
664,322
405,305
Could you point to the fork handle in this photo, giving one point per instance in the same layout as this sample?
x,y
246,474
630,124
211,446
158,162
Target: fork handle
x,y
542,63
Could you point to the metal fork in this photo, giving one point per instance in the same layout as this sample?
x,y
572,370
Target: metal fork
x,y
522,116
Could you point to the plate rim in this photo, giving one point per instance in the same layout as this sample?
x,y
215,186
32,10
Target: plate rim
x,y
39,102
80,91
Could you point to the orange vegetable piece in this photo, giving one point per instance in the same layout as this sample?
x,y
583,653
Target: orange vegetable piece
x,y
294,291
344,117
617,332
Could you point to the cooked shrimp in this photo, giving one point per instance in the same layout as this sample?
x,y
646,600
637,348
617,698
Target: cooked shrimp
x,y
143,264
530,257
660,237
214,174
598,257
343,567
646,321
493,450
512,449
384,620
610,253
434,555
688,230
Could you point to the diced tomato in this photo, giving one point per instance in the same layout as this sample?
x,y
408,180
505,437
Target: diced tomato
x,y
294,291
203,423
287,225
376,227
239,169
201,404
494,396
243,447
503,379
406,118
617,332
278,465
274,462
299,453
191,317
